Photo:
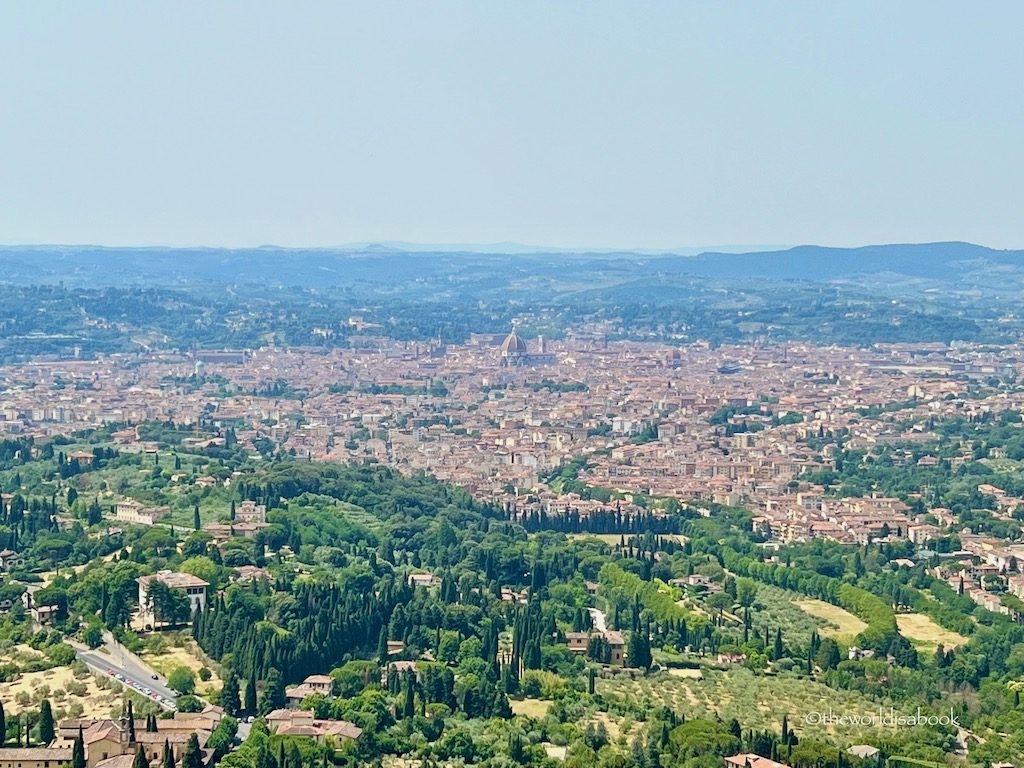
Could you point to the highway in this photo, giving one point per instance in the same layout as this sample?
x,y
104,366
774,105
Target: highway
x,y
124,666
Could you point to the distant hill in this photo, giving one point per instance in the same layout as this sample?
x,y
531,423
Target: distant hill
x,y
383,265
938,261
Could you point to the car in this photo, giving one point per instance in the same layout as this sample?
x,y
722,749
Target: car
x,y
155,676
120,677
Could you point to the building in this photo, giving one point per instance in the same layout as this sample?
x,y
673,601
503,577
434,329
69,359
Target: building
x,y
250,512
108,740
732,657
34,757
751,760
193,586
298,722
131,511
41,613
579,642
10,559
312,684
422,580
514,352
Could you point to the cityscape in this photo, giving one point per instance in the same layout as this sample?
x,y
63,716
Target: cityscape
x,y
511,385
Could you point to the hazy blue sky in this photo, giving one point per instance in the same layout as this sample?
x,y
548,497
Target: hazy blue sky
x,y
568,124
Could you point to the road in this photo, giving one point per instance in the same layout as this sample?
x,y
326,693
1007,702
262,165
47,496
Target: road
x,y
598,620
133,672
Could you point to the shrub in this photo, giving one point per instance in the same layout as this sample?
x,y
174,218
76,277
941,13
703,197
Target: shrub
x,y
61,654
182,680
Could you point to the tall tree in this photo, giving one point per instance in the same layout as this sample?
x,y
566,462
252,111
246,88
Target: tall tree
x,y
140,760
130,716
3,725
273,693
229,698
250,695
45,722
193,757
78,751
168,758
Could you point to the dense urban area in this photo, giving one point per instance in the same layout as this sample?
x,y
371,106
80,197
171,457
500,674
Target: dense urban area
x,y
654,526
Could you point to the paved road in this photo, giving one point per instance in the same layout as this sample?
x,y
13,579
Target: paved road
x,y
133,672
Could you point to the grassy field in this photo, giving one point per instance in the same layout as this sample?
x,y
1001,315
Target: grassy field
x,y
925,634
530,707
611,539
186,655
838,623
757,701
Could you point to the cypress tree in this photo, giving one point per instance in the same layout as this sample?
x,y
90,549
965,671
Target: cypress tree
x,y
131,724
3,725
229,695
140,760
45,722
193,757
196,522
168,759
250,695
78,751
409,705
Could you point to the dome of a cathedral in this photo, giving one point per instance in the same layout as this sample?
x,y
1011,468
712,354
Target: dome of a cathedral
x,y
513,346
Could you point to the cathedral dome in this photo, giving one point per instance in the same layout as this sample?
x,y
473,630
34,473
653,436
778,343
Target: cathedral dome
x,y
513,346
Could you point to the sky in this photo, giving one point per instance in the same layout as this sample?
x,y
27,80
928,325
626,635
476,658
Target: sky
x,y
594,124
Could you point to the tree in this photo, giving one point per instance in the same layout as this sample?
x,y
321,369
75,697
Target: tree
x,y
140,760
168,758
250,695
229,697
166,604
640,649
78,751
192,757
828,654
196,522
273,693
3,725
131,722
719,602
746,592
45,722
182,680
93,635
